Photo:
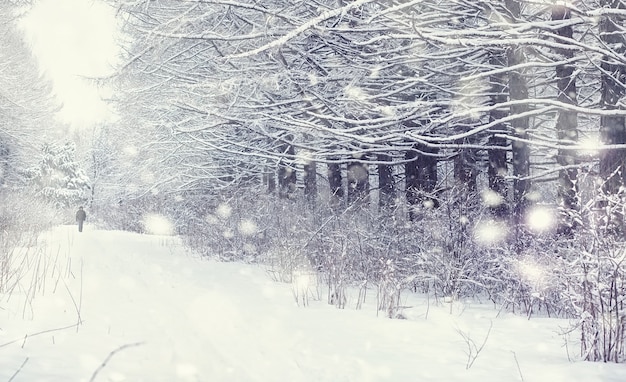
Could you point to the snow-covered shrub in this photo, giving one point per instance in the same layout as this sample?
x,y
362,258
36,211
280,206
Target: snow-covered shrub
x,y
602,314
389,289
528,281
22,218
595,289
446,254
227,228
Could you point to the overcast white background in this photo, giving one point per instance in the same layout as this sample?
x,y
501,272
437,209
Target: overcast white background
x,y
74,41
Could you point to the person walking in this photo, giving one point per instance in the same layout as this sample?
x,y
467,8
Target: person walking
x,y
81,215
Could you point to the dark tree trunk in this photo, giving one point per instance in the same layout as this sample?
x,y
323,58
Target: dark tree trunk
x,y
520,149
498,168
567,128
357,177
612,127
465,169
287,173
310,182
335,182
386,183
520,152
412,186
421,178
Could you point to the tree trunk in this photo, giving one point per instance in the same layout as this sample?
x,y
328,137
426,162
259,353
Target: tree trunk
x,y
497,170
411,187
269,180
310,182
567,128
465,169
357,177
421,179
612,128
386,183
518,91
287,173
335,182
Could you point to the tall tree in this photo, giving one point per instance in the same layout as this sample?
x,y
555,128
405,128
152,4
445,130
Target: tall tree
x,y
309,176
566,124
357,177
58,178
613,80
27,104
287,172
421,179
613,127
386,183
335,181
518,93
498,167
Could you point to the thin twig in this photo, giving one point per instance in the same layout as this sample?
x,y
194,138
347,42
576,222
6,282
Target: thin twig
x,y
80,319
18,370
474,350
519,370
108,358
36,334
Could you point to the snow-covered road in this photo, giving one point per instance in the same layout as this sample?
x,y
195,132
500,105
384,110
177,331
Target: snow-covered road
x,y
145,310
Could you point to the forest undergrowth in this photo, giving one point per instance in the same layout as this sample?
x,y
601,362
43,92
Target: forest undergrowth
x,y
454,252
343,254
25,264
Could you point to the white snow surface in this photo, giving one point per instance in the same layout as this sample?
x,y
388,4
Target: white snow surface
x,y
142,308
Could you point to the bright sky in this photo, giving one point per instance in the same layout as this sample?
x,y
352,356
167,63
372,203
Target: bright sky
x,y
74,40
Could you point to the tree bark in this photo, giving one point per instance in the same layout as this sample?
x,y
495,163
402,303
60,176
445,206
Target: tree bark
x,y
498,167
612,127
465,169
567,127
287,173
335,182
357,177
269,180
386,183
421,178
518,91
310,182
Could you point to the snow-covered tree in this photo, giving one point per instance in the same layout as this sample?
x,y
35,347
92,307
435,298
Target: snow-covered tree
x,y
27,105
59,178
447,100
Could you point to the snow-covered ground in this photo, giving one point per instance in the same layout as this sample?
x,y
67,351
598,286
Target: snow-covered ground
x,y
141,308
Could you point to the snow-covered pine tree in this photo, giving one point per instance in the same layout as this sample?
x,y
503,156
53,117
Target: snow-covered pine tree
x,y
58,177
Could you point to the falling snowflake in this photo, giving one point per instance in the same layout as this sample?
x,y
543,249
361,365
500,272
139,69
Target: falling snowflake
x,y
540,219
224,211
590,146
156,224
248,227
490,232
533,273
355,93
492,198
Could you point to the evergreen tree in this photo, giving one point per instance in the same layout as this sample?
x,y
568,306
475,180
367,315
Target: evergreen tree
x,y
58,178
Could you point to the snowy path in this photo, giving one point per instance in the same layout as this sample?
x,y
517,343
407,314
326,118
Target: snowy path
x,y
173,317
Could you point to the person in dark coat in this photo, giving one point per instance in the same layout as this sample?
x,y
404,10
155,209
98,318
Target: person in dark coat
x,y
81,215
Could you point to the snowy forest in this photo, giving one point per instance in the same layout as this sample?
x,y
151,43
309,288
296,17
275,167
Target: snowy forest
x,y
455,148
